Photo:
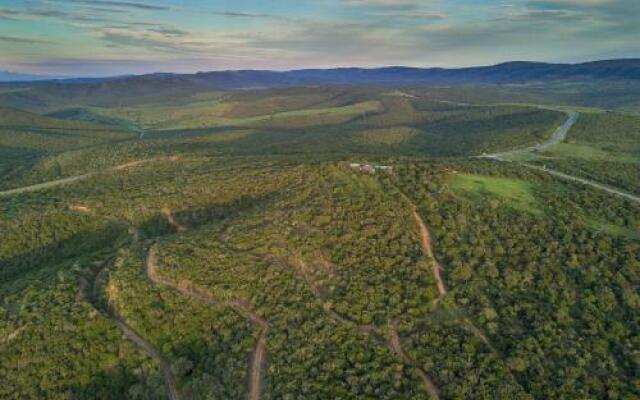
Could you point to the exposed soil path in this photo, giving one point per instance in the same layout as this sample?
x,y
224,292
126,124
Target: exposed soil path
x,y
71,179
187,288
257,363
93,296
425,241
442,289
302,271
13,335
484,339
396,345
166,211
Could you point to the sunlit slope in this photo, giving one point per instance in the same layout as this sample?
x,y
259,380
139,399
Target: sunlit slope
x,y
323,122
339,120
27,139
200,255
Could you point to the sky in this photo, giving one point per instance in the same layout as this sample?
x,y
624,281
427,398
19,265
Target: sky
x,y
112,37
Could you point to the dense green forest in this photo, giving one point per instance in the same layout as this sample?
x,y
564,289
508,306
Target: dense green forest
x,y
232,246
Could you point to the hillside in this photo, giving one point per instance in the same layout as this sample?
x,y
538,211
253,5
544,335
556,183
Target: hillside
x,y
165,87
323,243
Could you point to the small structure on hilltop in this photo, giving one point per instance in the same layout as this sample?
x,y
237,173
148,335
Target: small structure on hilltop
x,y
371,169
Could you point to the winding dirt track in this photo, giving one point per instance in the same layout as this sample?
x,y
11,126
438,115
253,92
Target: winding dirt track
x,y
131,334
257,362
442,289
425,240
152,352
302,272
189,289
166,212
13,335
396,345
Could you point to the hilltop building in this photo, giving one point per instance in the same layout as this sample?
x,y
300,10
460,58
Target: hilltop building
x,y
371,169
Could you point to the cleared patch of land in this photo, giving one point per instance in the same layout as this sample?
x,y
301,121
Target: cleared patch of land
x,y
588,152
516,192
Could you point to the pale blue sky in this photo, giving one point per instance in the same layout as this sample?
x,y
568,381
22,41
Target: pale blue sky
x,y
105,37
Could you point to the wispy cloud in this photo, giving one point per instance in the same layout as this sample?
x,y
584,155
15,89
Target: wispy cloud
x,y
123,4
24,40
169,31
243,14
169,42
147,43
416,14
66,17
581,3
387,3
544,16
171,34
9,14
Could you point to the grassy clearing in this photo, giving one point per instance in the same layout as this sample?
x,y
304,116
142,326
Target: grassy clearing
x,y
612,229
208,120
212,113
588,152
515,192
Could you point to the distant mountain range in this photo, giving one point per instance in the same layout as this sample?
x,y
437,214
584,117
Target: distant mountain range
x,y
506,73
518,72
7,76
50,95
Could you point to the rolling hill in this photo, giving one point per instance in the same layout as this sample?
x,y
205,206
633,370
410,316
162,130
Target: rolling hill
x,y
53,95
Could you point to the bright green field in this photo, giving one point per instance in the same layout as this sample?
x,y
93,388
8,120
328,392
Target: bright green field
x,y
212,114
515,192
614,230
588,152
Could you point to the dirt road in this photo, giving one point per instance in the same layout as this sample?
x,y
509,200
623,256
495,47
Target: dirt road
x,y
396,346
257,361
13,335
302,271
583,181
425,241
71,179
189,289
93,295
442,289
152,352
166,211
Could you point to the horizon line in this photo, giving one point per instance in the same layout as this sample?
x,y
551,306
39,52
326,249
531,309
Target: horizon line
x,y
44,77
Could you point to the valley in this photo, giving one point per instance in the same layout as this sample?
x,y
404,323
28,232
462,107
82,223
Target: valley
x,y
231,251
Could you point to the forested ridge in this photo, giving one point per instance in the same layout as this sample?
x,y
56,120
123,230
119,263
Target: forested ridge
x,y
250,257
